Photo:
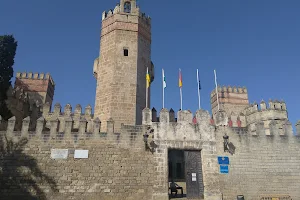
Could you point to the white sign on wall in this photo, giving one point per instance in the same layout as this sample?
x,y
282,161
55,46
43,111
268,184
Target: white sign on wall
x,y
59,153
81,154
194,177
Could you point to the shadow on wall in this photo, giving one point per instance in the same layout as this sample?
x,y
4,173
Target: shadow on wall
x,y
20,176
22,104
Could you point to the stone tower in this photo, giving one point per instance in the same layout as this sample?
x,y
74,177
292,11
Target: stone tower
x,y
120,70
231,100
39,87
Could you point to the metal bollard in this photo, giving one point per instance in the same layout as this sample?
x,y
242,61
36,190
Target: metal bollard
x,y
240,197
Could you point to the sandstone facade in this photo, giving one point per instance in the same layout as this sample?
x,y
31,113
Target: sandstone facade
x,y
119,166
39,87
231,99
121,150
120,70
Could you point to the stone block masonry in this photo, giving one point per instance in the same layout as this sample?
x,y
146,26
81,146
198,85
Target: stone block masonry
x,y
231,99
117,166
120,70
261,165
264,160
106,155
40,87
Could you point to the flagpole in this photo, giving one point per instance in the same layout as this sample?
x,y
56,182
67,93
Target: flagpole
x,y
163,88
180,88
181,98
147,88
198,89
217,89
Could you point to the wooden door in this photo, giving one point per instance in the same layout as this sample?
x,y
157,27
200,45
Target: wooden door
x,y
193,170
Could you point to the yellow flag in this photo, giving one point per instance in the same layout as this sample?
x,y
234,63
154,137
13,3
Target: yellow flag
x,y
180,79
147,79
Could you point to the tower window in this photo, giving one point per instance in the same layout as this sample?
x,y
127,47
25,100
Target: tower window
x,y
127,7
125,52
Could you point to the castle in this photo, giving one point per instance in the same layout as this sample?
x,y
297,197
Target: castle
x,y
125,151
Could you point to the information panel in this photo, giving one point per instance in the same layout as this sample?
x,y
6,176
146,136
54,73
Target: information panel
x,y
223,160
224,169
59,153
81,154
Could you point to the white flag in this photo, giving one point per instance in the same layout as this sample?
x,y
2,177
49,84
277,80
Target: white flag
x,y
164,79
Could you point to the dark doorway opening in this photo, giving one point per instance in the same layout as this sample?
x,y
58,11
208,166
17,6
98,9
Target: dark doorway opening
x,y
185,174
176,165
176,174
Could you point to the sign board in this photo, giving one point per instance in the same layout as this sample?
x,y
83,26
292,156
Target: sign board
x,y
194,177
223,160
81,154
224,169
59,153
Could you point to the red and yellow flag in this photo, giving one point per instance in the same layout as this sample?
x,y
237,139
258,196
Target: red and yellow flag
x,y
180,78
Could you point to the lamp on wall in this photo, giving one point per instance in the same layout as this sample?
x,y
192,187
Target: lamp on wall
x,y
152,146
226,142
240,197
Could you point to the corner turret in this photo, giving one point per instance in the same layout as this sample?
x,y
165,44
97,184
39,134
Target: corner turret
x,y
231,99
39,87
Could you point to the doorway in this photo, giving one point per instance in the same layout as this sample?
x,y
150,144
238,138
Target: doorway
x,y
185,169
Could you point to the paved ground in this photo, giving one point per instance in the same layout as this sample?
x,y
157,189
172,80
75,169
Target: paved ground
x,y
183,185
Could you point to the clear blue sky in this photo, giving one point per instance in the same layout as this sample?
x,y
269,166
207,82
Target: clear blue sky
x,y
250,43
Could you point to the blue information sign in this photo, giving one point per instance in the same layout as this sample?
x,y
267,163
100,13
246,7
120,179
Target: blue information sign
x,y
223,160
224,169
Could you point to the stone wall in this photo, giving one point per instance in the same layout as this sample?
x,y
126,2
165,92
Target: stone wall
x,y
185,135
117,167
18,102
265,161
265,158
40,87
121,166
231,99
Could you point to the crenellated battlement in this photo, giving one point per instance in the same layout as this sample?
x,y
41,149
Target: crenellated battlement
x,y
234,101
229,89
35,76
107,14
64,129
201,125
260,126
146,18
77,126
188,115
67,113
118,10
231,99
187,127
237,121
263,106
275,110
273,127
39,86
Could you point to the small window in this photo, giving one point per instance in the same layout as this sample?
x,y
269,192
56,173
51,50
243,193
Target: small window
x,y
127,7
222,95
125,52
